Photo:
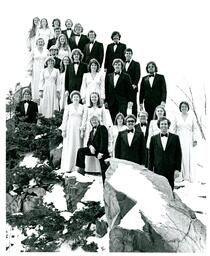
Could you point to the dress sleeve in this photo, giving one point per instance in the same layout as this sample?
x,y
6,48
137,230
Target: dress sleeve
x,y
41,81
83,89
194,130
63,126
58,81
30,62
150,133
174,126
102,86
84,117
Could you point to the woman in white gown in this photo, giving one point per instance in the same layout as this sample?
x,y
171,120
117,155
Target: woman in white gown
x,y
49,89
119,126
153,128
36,66
63,66
63,47
94,109
185,127
44,31
31,41
72,120
93,81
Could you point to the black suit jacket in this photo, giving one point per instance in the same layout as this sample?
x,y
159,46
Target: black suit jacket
x,y
138,127
100,140
82,42
165,162
30,115
135,152
134,72
155,94
96,52
111,55
65,33
51,42
122,92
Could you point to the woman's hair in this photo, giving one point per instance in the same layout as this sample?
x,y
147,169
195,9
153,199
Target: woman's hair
x,y
68,20
56,19
47,26
185,103
153,63
49,58
95,62
78,25
26,90
163,119
73,93
155,115
32,31
118,61
91,31
40,38
117,116
99,100
114,34
77,50
62,67
58,43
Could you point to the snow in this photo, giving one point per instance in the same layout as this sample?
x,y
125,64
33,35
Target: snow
x,y
29,161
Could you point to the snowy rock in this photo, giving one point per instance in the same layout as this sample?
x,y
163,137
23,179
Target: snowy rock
x,y
29,161
55,156
163,222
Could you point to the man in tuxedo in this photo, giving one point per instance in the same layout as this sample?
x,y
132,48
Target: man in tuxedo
x,y
54,52
26,110
97,146
152,90
132,68
68,32
93,49
78,40
130,144
165,153
118,90
74,73
53,40
114,50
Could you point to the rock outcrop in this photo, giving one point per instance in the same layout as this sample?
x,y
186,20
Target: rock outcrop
x,y
144,215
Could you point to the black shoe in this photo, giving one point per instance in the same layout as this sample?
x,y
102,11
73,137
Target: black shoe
x,y
81,171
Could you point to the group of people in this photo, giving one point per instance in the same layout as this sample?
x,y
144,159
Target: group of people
x,y
102,115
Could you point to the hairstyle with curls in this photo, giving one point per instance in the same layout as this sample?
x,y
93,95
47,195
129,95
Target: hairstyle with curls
x,y
62,66
32,31
95,62
117,116
155,115
49,58
56,19
128,50
99,100
26,90
118,61
65,46
77,50
114,34
73,93
47,26
152,62
91,31
68,20
163,119
78,25
40,38
130,116
185,103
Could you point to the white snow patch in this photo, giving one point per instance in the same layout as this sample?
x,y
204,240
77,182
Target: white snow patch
x,y
103,242
66,215
56,196
79,177
29,161
14,238
39,136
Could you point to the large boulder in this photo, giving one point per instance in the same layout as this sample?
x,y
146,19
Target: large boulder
x,y
144,215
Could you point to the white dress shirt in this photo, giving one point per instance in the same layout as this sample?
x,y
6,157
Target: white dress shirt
x,y
130,137
164,141
115,47
26,107
68,33
116,77
151,80
77,38
127,64
76,66
91,46
143,128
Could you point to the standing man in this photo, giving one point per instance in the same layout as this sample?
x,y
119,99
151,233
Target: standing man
x,y
152,90
165,153
132,68
52,41
97,146
78,40
68,32
130,144
114,50
118,90
93,49
74,73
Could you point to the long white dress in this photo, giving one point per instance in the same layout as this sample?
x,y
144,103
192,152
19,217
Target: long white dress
x,y
63,53
45,34
114,131
63,99
186,129
90,84
49,83
72,120
36,66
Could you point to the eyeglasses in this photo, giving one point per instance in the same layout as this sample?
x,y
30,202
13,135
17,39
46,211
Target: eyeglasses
x,y
130,121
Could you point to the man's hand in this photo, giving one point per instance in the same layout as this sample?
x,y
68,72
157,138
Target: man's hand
x,y
141,107
64,133
99,156
134,86
195,143
176,174
130,104
92,150
163,104
66,93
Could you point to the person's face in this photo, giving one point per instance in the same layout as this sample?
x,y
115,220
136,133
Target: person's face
x,y
151,68
159,112
53,52
50,63
93,67
94,98
57,32
62,39
119,120
69,23
78,30
91,36
94,122
117,67
65,61
184,108
56,24
75,98
76,56
130,123
143,119
128,56
40,43
44,23
27,96
116,38
164,126
36,21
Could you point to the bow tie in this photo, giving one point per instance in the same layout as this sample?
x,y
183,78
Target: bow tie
x,y
152,75
77,63
143,125
68,29
116,43
130,130
117,73
164,135
77,35
91,42
26,101
128,61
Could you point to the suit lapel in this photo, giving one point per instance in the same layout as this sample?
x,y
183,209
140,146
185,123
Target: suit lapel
x,y
159,141
119,79
168,141
125,137
130,66
135,137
